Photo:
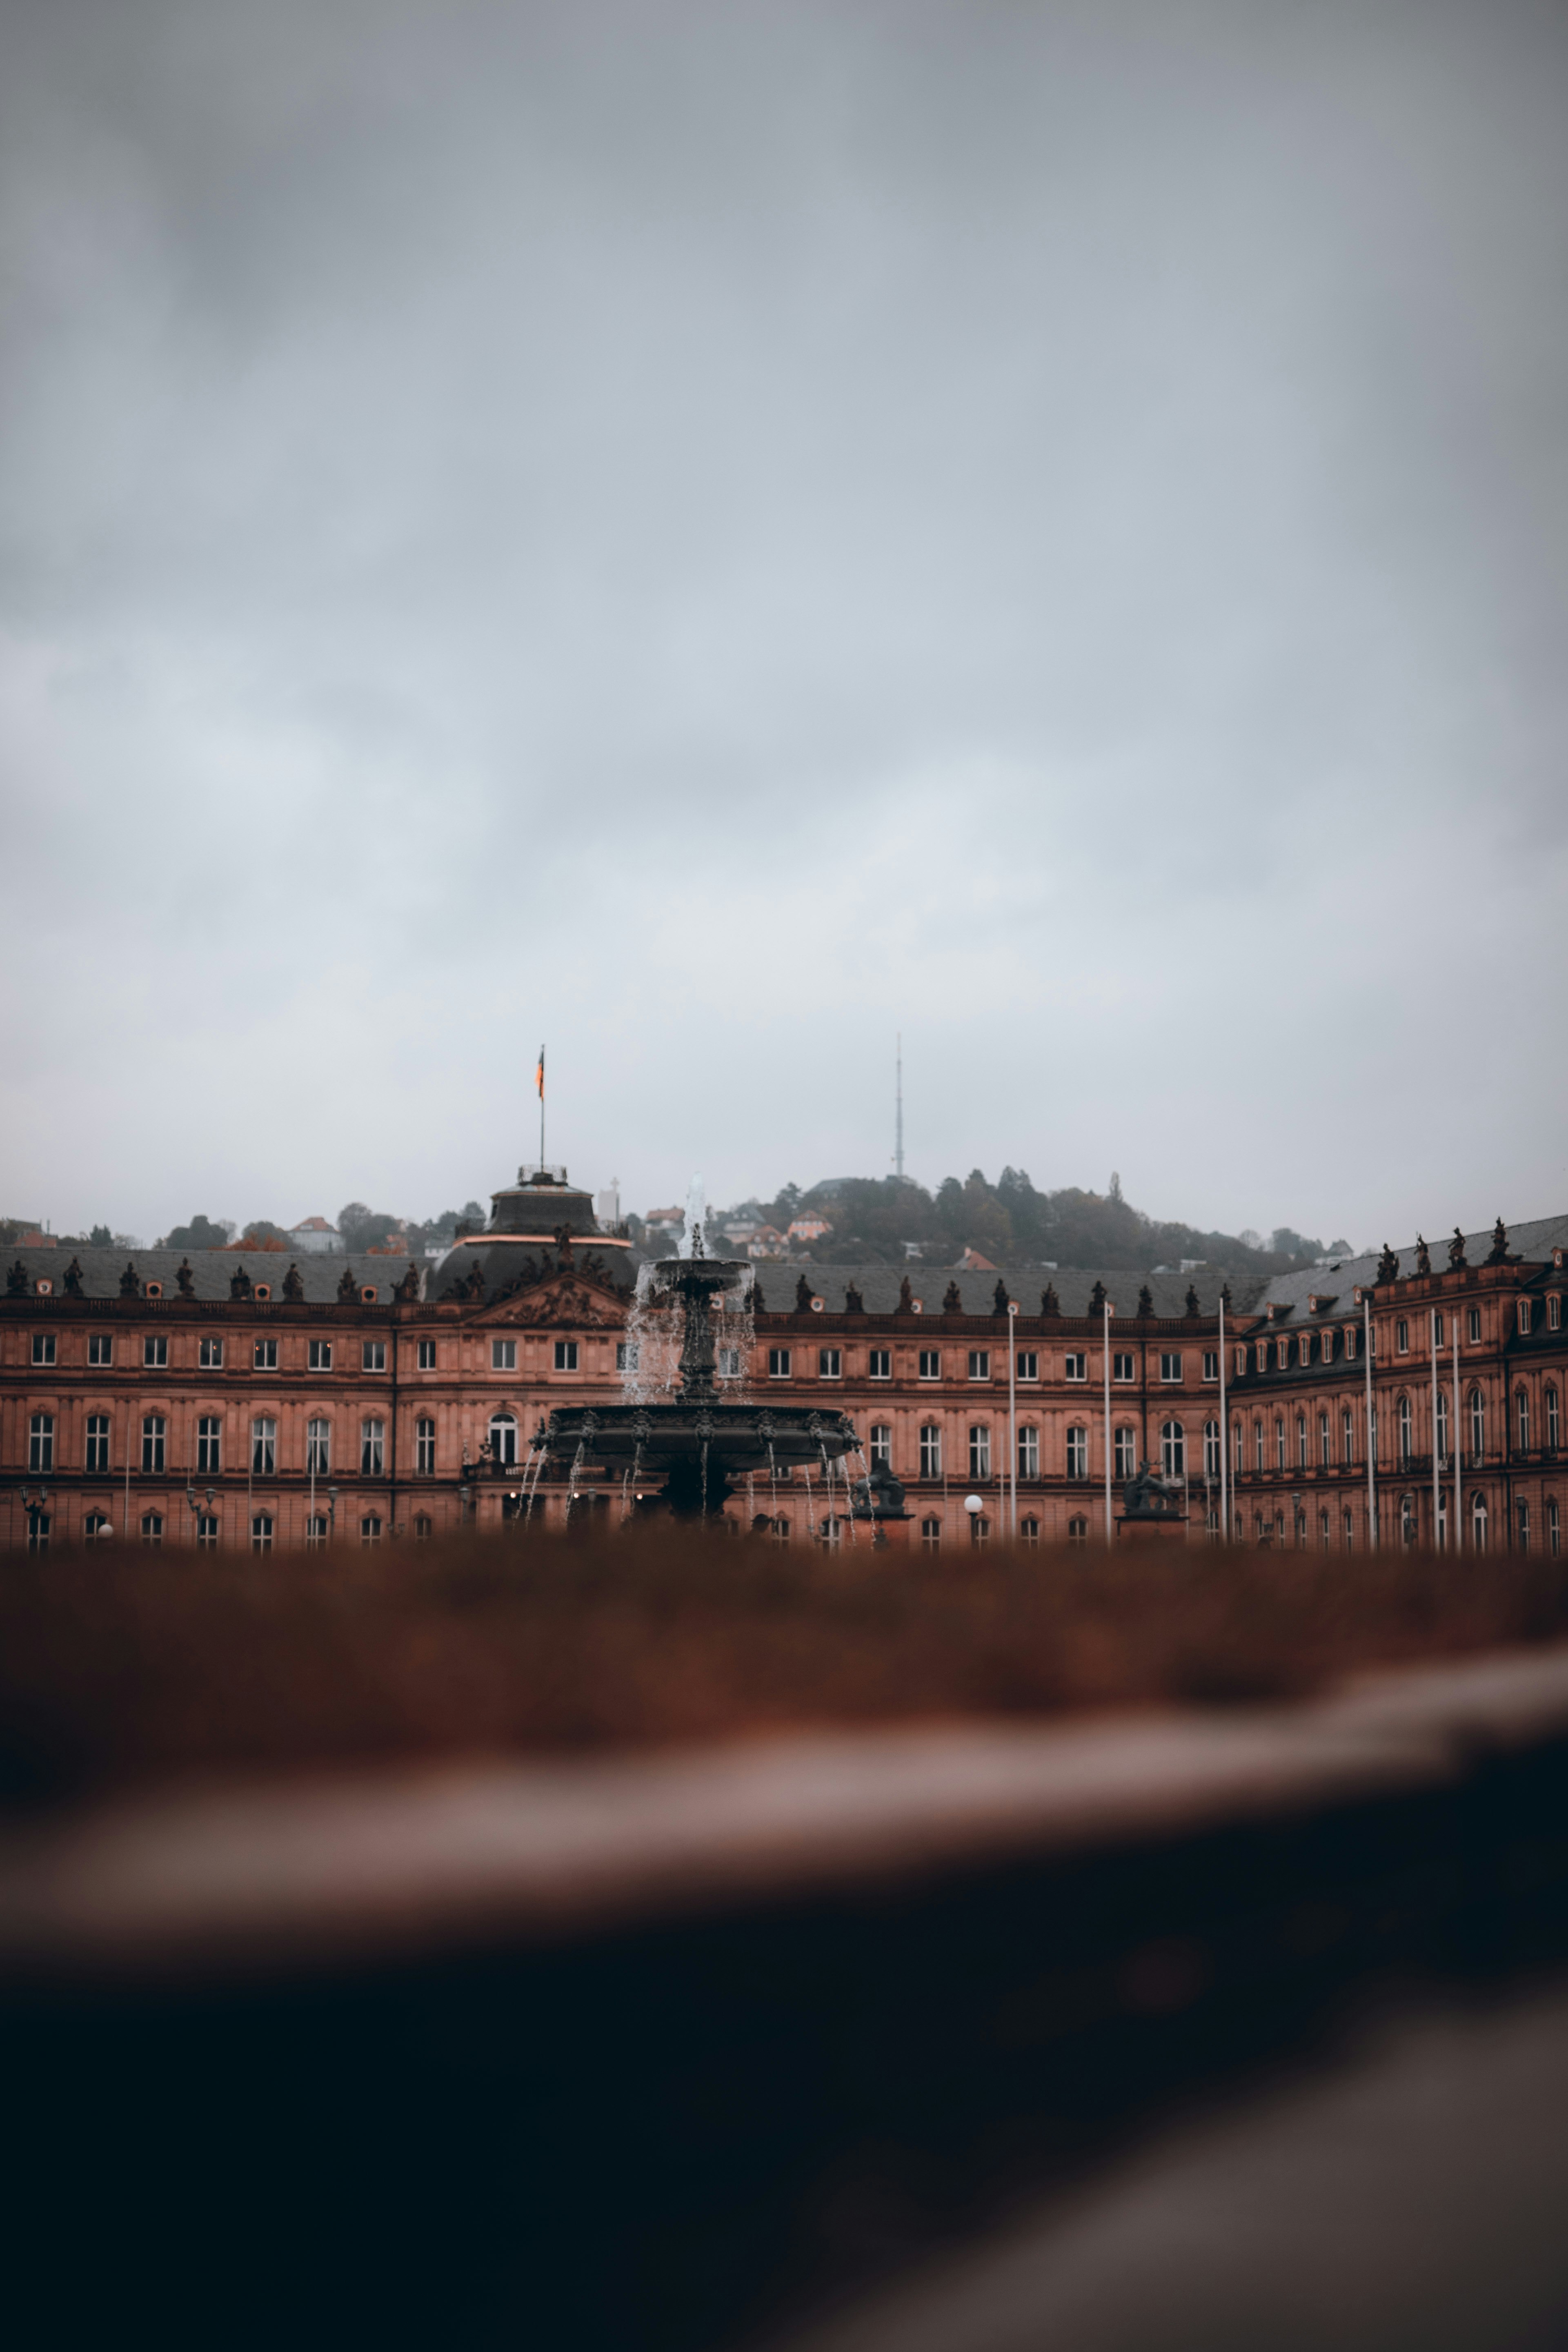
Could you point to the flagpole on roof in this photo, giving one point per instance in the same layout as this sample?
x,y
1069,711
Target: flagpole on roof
x,y
538,1081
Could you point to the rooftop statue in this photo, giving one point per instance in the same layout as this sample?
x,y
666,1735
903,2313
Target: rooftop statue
x,y
1457,1258
1148,1496
1423,1256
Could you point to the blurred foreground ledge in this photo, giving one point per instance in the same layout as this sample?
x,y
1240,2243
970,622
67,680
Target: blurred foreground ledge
x,y
674,2051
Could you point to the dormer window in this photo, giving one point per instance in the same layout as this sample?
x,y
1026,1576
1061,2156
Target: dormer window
x,y
1554,1311
1525,1318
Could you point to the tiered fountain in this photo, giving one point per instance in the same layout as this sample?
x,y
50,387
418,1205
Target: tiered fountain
x,y
684,1454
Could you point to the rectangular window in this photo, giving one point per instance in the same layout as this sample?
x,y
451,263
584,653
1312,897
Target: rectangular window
x,y
829,1364
155,1353
1301,1440
1170,1366
980,1363
1211,1449
261,1531
930,1449
567,1355
98,1441
318,1447
372,1356
264,1356
729,1363
316,1530
628,1355
264,1447
1122,1368
319,1356
425,1447
1279,1445
1555,1312
1078,1454
151,1527
1304,1349
372,1447
154,1431
1126,1452
427,1355
1258,1444
209,1355
879,1364
41,1445
1325,1443
209,1445
1524,1317
881,1446
778,1364
1402,1337
930,1364
1350,1341
503,1356
1438,1326
979,1452
1211,1363
1524,1527
100,1348
1029,1364
1075,1368
206,1530
1474,1327
370,1530
1028,1453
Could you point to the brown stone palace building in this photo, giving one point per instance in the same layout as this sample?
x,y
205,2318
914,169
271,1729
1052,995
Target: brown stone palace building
x,y
253,1401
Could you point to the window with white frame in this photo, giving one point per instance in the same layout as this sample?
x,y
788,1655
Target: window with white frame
x,y
1404,1429
1478,1523
503,1439
1029,1531
97,1443
1523,1305
152,1528
978,1528
1278,1444
930,1534
1521,1410
1078,1452
1075,1367
1550,1402
1211,1449
829,1364
1442,1427
879,1364
1436,1326
1325,1443
422,1526
209,1445
1173,1449
930,1364
318,1446
1347,1436
370,1529
778,1364
1304,1349
1241,1363
209,1355
316,1530
1211,1363
1258,1444
372,1448
41,1445
427,1361
980,1363
1350,1343
155,1442
100,1348
39,1525
1523,1525
1407,1520
1347,1529
1553,1526
261,1531
503,1356
1077,1531
1477,1424
567,1355
1123,1367
1170,1365
424,1447
155,1353
1238,1450
44,1350
1126,1445
729,1362
882,1446
1474,1326
1029,1364
1301,1440
264,1356
930,1449
1402,1337
263,1446
979,1452
319,1355
1554,1311
206,1530
1029,1452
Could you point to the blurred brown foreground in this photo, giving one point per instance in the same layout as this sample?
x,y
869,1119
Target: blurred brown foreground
x,y
696,1945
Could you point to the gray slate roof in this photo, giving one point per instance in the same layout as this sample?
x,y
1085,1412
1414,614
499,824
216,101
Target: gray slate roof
x,y
212,1269
1533,1241
878,1287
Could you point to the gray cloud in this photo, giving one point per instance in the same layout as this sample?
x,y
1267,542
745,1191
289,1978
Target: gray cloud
x,y
714,534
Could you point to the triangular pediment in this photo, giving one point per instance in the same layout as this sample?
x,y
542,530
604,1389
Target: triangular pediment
x,y
563,1295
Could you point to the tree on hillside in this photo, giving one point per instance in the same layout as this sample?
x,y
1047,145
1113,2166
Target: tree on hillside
x,y
364,1228
201,1233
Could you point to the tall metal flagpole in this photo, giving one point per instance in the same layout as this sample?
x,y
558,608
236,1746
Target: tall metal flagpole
x,y
1436,1488
1224,1432
1013,1406
538,1080
1459,1443
1371,1433
1109,1520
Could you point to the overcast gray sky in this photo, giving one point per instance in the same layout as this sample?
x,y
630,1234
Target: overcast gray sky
x,y
713,535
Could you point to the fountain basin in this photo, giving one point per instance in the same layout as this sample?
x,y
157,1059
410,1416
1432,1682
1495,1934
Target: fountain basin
x,y
739,1438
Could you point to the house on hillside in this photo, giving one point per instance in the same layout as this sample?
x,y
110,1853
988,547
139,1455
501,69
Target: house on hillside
x,y
314,1233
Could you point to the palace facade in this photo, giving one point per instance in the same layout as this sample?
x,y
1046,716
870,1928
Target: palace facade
x,y
255,1401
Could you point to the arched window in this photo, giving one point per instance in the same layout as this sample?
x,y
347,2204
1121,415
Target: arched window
x,y
424,1448
1407,1518
1028,1453
1553,1526
1523,1525
261,1531
370,1529
978,1528
1478,1523
1404,1429
1301,1440
1258,1444
1173,1450
1278,1443
1029,1532
1349,1532
372,1448
1325,1443
1126,1452
316,1530
154,1436
1237,1449
1347,1436
151,1527
1521,1409
1077,1531
781,1532
97,1442
96,1526
930,1533
882,1446
1477,1425
1211,1449
1551,1427
1442,1425
422,1526
979,1452
930,1449
318,1446
206,1530
1325,1531
503,1439
1078,1454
